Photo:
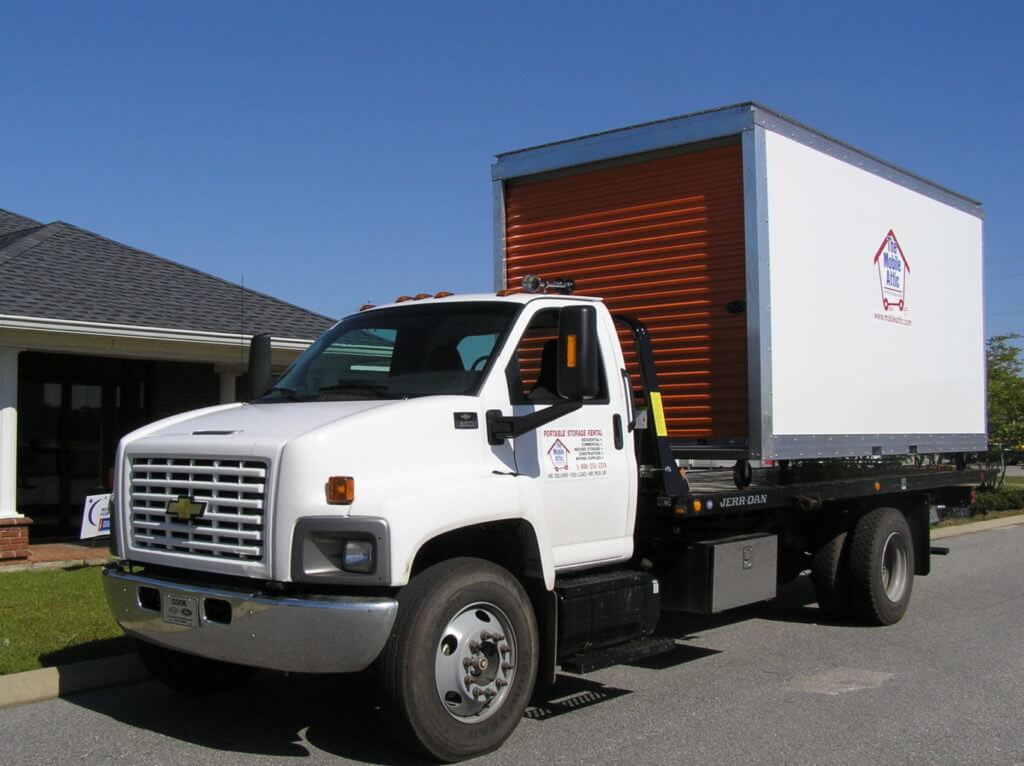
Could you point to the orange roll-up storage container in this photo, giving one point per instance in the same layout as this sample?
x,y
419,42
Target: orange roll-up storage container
x,y
661,240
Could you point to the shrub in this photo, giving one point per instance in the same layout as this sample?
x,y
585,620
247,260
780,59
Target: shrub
x,y
1005,499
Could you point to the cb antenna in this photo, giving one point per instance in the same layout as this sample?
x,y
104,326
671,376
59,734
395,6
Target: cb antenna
x,y
241,328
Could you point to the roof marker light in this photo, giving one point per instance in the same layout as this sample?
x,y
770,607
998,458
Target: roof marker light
x,y
403,298
367,307
443,294
534,284
421,296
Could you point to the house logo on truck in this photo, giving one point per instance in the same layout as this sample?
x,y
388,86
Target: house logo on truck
x,y
893,272
559,455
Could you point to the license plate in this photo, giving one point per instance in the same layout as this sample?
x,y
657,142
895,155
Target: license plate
x,y
181,610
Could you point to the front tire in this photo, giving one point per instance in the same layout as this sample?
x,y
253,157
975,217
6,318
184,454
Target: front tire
x,y
459,668
192,674
881,566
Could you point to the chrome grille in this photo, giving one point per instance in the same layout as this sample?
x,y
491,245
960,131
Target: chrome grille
x,y
234,491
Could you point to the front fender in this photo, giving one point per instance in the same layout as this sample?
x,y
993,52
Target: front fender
x,y
416,518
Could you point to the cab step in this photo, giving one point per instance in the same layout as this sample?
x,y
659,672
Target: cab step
x,y
638,649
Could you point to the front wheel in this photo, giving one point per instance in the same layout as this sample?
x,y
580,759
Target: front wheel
x,y
459,667
881,566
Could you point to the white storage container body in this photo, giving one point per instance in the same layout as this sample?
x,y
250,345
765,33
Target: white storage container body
x,y
874,315
864,287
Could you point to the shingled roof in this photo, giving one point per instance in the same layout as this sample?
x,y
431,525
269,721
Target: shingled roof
x,y
59,271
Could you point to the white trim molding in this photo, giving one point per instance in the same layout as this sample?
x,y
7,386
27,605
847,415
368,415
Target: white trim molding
x,y
9,432
78,337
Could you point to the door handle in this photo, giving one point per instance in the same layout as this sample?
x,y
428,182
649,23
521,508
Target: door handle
x,y
617,430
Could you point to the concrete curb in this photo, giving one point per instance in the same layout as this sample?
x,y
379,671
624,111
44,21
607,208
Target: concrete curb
x,y
48,683
35,566
977,526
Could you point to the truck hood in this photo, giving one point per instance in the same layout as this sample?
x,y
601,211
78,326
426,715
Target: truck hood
x,y
262,422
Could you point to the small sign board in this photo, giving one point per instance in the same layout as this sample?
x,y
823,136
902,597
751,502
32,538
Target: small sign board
x,y
96,516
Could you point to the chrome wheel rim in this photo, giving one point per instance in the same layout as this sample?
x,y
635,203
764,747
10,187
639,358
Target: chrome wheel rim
x,y
475,662
894,566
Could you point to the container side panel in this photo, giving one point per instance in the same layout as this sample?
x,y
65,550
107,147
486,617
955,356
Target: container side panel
x,y
876,307
661,240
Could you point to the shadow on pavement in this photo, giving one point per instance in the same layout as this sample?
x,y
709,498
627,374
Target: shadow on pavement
x,y
295,715
90,650
274,715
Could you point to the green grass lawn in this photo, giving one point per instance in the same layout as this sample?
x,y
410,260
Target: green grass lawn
x,y
1013,481
54,617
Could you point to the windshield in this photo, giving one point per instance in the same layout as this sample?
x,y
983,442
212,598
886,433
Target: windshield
x,y
399,353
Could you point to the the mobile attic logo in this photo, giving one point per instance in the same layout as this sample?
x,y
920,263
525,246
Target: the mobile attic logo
x,y
893,273
559,455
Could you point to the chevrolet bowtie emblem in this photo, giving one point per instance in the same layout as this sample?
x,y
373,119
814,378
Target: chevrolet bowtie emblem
x,y
185,508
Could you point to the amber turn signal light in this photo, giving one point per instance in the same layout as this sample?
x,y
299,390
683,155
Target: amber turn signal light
x,y
570,351
341,490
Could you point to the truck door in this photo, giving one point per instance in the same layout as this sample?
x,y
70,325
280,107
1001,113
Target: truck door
x,y
581,466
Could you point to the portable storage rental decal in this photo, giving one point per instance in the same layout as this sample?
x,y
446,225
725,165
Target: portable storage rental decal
x,y
805,299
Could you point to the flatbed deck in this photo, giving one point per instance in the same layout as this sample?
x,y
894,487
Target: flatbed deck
x,y
714,491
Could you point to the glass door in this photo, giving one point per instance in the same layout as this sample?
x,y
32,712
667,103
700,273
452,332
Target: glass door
x,y
72,410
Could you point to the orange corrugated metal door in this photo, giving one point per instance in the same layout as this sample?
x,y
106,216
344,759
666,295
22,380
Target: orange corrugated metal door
x,y
660,240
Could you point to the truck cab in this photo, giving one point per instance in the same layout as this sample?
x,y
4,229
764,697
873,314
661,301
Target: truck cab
x,y
394,402
487,432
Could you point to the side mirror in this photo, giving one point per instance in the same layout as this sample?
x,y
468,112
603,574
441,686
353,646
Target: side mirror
x,y
259,366
578,373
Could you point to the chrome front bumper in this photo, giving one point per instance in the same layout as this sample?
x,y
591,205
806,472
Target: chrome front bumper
x,y
311,634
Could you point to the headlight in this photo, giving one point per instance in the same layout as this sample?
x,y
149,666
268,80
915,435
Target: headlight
x,y
357,556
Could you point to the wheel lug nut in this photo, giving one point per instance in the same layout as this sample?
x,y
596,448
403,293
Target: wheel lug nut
x,y
503,649
468,681
506,666
485,636
466,662
500,682
474,646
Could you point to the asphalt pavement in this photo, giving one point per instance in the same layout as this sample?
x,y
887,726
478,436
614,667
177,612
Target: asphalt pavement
x,y
768,684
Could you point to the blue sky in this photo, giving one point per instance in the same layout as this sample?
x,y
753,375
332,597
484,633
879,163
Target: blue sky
x,y
336,153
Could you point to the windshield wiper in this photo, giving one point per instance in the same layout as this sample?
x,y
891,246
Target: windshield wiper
x,y
289,393
359,389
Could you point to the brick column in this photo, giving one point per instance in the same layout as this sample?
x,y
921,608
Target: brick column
x,y
14,537
13,526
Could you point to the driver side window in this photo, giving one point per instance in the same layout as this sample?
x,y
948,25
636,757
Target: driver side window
x,y
536,357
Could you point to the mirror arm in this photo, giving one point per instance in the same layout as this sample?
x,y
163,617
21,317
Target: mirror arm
x,y
501,427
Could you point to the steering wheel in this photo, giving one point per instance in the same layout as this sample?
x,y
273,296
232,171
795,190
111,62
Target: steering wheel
x,y
479,360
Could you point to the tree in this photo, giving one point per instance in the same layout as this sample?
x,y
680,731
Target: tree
x,y
1005,406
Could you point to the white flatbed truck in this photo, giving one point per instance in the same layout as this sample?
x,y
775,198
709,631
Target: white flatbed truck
x,y
459,494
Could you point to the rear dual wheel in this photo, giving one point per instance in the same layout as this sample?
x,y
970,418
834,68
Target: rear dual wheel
x,y
868,571
881,566
459,667
829,575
